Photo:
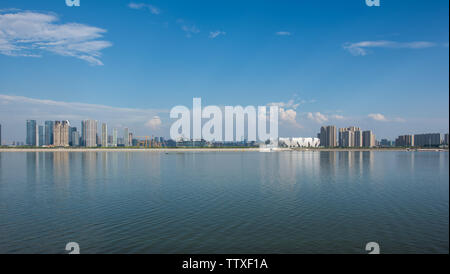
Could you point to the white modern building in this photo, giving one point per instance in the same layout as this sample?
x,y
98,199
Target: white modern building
x,y
298,142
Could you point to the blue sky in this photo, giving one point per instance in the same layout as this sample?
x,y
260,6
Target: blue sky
x,y
326,62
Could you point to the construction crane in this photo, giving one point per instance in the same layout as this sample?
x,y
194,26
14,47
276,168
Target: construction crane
x,y
147,143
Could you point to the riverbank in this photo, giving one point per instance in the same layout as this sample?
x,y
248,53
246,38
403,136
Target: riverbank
x,y
204,149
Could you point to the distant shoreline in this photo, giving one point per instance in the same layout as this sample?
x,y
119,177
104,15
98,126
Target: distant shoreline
x,y
207,149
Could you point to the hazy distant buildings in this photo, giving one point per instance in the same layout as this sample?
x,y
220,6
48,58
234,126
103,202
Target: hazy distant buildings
x,y
114,137
386,143
104,135
327,136
130,139
445,142
126,137
32,133
89,133
61,133
368,139
0,134
427,140
405,141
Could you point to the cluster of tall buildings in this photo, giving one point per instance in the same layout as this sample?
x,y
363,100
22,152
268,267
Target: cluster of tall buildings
x,y
62,134
422,140
346,137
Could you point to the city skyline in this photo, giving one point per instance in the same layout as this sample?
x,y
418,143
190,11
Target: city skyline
x,y
381,75
93,134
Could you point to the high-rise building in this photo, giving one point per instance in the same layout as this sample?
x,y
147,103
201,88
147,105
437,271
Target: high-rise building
x,y
89,133
322,136
71,131
48,135
0,134
445,137
347,136
65,133
130,139
114,138
328,136
427,140
358,138
126,137
385,143
405,141
104,135
41,135
368,138
75,138
331,136
32,133
61,133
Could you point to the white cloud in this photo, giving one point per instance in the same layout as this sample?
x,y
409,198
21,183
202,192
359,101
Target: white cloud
x,y
378,117
337,117
317,117
188,29
140,6
289,116
214,34
399,120
29,34
154,123
362,48
283,33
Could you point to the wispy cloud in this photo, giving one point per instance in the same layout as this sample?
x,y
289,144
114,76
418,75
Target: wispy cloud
x,y
189,29
142,6
317,117
30,34
362,48
214,34
14,110
378,117
283,33
382,118
337,117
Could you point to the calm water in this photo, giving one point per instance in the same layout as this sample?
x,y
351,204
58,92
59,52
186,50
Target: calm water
x,y
224,202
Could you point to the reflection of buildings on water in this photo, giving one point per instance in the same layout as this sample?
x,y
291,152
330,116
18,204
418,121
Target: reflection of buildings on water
x,y
105,164
61,167
89,166
35,166
327,163
285,170
355,164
